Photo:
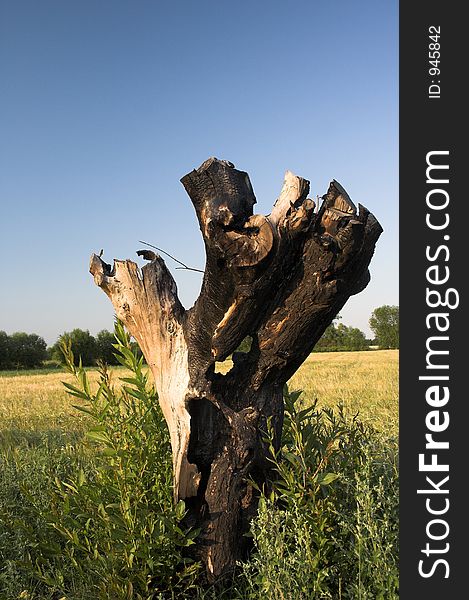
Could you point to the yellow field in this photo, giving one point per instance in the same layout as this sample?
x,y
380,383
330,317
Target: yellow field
x,y
37,402
364,382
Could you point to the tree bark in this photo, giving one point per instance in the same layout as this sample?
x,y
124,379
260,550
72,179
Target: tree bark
x,y
279,279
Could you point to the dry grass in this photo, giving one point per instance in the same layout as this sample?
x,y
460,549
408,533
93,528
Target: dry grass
x,y
38,402
364,382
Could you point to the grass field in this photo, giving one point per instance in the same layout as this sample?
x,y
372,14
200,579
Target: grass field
x,y
364,382
40,435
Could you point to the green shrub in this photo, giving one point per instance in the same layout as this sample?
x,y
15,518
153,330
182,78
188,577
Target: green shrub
x,y
328,527
112,530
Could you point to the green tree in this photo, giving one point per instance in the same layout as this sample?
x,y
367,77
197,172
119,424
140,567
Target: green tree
x,y
105,350
341,338
354,338
384,323
4,350
27,350
83,346
328,342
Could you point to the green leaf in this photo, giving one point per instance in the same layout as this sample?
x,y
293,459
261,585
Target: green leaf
x,y
292,458
180,510
193,533
128,354
74,391
109,452
131,380
295,395
136,393
81,478
99,437
327,478
83,409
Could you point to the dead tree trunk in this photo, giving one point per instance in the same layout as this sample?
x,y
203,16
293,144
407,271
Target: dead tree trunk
x,y
280,279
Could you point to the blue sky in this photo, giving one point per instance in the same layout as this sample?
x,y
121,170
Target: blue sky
x,y
106,105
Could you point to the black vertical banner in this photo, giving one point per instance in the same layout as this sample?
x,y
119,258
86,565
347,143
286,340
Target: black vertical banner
x,y
434,415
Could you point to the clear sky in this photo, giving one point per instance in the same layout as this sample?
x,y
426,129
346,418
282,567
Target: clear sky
x,y
106,104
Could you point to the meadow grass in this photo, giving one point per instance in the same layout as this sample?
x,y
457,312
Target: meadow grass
x,y
363,382
366,383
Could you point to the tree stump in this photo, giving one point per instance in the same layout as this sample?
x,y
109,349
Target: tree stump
x,y
279,279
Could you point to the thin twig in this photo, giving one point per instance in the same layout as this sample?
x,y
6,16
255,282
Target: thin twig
x,y
183,266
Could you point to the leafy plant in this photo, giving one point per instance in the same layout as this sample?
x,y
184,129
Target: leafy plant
x,y
327,528
113,524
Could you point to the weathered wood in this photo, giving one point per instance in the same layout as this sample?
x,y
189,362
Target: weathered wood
x,y
280,279
146,302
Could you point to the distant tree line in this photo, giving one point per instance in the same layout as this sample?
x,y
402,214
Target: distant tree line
x,y
22,350
340,338
29,350
384,323
87,347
